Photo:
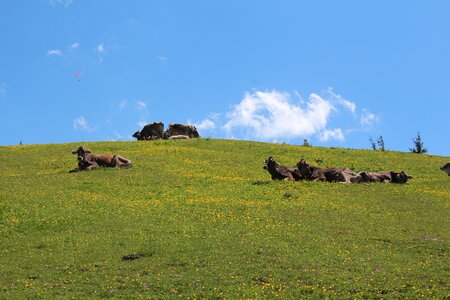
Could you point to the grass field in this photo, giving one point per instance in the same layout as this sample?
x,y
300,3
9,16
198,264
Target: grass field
x,y
211,224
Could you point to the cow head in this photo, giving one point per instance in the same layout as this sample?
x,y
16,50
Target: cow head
x,y
304,168
401,177
137,135
269,162
302,164
81,152
194,131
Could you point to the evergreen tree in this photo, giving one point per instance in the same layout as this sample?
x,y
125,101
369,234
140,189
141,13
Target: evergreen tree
x,y
372,144
380,143
418,145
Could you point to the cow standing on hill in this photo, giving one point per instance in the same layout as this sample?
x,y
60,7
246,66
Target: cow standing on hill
x,y
88,161
177,131
153,131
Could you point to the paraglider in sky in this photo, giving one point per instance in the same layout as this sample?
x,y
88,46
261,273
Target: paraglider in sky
x,y
78,75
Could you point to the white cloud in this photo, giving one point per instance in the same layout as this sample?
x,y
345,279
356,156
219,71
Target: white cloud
x,y
123,104
75,45
54,52
101,49
64,3
162,59
335,134
272,115
123,110
368,118
141,105
351,106
206,124
82,124
141,108
280,116
141,123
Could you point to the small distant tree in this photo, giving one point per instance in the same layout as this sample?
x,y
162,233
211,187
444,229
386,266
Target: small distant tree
x,y
418,145
380,143
372,143
306,143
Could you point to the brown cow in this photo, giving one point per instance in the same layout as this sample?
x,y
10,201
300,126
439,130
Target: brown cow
x,y
153,131
326,174
401,177
88,161
385,176
181,129
279,172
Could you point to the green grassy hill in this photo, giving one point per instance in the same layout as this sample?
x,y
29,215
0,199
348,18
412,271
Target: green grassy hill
x,y
211,224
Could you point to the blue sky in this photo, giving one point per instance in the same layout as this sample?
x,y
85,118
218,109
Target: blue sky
x,y
334,72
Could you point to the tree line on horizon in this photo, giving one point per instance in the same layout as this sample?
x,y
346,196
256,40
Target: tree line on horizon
x,y
418,145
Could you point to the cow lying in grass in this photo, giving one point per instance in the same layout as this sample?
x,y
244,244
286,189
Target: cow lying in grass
x,y
305,171
88,160
279,172
349,176
446,169
385,176
309,172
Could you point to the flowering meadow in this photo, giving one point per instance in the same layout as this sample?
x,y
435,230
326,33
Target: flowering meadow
x,y
204,220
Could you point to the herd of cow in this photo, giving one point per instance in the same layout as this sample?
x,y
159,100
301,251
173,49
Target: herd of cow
x,y
304,171
154,131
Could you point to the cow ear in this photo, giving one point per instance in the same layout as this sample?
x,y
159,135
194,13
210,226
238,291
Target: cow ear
x,y
87,151
74,151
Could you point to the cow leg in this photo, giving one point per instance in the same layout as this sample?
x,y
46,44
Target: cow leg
x,y
290,177
121,162
91,166
81,167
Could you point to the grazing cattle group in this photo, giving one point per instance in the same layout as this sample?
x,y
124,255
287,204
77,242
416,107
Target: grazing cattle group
x,y
304,171
155,131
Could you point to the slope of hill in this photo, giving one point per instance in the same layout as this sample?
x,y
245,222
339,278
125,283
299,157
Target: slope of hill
x,y
210,223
